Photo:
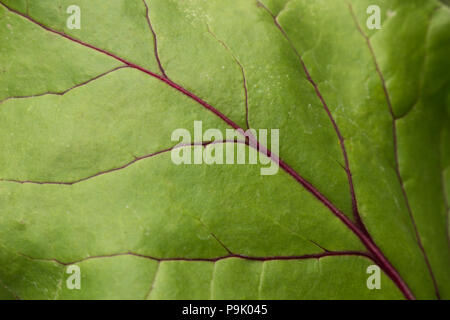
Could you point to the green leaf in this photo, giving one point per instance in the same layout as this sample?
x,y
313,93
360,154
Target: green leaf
x,y
86,176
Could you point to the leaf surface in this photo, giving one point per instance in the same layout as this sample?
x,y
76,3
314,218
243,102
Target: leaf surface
x,y
86,176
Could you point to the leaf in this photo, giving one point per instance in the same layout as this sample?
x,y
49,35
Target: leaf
x,y
87,178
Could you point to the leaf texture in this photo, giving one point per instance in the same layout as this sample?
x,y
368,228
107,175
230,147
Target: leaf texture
x,y
86,176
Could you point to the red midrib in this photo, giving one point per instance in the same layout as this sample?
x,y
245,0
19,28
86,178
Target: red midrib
x,y
365,239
